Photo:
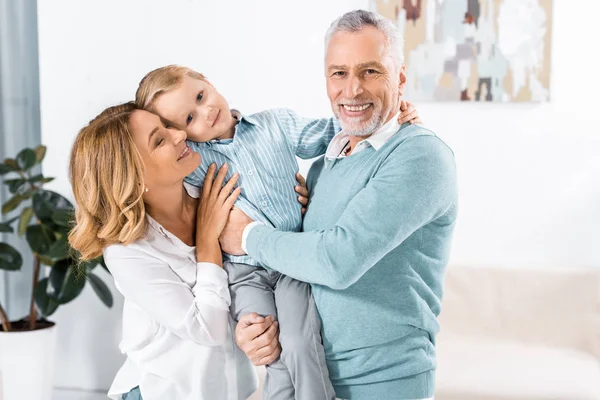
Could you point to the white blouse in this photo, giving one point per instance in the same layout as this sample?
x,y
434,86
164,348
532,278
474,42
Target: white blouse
x,y
177,330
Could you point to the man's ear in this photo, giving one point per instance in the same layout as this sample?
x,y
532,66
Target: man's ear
x,y
402,80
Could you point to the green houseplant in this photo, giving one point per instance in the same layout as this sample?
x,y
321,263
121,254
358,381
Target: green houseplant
x,y
44,222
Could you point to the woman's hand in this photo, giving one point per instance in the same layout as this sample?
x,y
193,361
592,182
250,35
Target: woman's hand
x,y
258,337
408,113
213,210
302,190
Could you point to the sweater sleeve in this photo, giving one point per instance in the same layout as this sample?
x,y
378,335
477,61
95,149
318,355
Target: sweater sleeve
x,y
199,313
413,186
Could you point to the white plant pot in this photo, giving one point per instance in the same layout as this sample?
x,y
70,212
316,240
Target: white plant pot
x,y
27,364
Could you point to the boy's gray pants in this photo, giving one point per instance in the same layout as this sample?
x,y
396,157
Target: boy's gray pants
x,y
300,372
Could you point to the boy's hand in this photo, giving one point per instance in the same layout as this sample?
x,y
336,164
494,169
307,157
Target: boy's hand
x,y
302,190
408,113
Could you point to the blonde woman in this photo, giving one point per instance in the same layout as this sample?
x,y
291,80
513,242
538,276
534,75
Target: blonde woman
x,y
159,238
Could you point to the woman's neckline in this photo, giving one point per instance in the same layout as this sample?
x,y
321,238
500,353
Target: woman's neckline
x,y
193,192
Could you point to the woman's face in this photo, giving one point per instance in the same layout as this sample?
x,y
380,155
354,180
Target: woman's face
x,y
166,156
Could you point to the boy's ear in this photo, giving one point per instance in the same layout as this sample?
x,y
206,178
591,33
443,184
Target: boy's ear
x,y
402,80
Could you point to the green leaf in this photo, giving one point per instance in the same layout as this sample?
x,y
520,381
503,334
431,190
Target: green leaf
x,y
10,258
40,238
11,162
88,265
29,193
12,203
6,228
40,153
46,304
57,276
46,260
63,217
59,250
101,290
36,178
39,178
100,261
14,184
26,159
46,202
74,284
67,285
25,219
5,169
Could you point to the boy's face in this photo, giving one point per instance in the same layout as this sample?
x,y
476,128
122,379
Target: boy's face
x,y
197,108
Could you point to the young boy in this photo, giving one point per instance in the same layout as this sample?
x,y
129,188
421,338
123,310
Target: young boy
x,y
262,148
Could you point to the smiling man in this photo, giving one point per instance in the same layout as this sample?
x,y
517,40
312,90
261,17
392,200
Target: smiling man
x,y
377,232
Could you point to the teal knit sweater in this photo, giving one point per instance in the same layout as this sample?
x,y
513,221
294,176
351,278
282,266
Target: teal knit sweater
x,y
375,245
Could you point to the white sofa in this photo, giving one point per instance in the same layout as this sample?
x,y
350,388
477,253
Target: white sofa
x,y
519,333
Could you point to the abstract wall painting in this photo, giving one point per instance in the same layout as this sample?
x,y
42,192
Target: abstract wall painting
x,y
474,50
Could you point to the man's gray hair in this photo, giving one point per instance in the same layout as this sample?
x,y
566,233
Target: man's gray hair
x,y
354,21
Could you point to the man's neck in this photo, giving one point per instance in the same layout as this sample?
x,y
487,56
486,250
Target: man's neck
x,y
354,140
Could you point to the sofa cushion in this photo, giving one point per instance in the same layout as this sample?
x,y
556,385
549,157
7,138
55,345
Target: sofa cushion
x,y
549,306
472,368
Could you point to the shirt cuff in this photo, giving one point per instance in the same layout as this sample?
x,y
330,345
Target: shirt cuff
x,y
211,285
246,232
211,273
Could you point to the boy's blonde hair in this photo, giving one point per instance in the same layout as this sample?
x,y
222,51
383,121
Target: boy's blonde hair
x,y
160,81
107,175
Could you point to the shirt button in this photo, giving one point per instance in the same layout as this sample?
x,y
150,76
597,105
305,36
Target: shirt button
x,y
264,204
250,173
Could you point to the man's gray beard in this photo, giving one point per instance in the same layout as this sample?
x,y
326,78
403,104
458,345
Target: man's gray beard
x,y
370,127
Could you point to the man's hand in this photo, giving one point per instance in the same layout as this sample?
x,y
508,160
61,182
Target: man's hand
x,y
231,236
258,337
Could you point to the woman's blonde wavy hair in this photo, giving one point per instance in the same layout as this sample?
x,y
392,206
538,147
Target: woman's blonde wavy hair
x,y
107,175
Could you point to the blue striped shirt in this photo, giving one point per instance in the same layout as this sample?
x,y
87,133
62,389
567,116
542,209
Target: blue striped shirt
x,y
263,151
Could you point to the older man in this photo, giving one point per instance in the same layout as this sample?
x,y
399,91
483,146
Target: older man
x,y
377,232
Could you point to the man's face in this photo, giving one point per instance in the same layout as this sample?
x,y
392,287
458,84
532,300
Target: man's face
x,y
363,83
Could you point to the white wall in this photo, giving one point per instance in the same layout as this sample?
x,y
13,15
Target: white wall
x,y
529,186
